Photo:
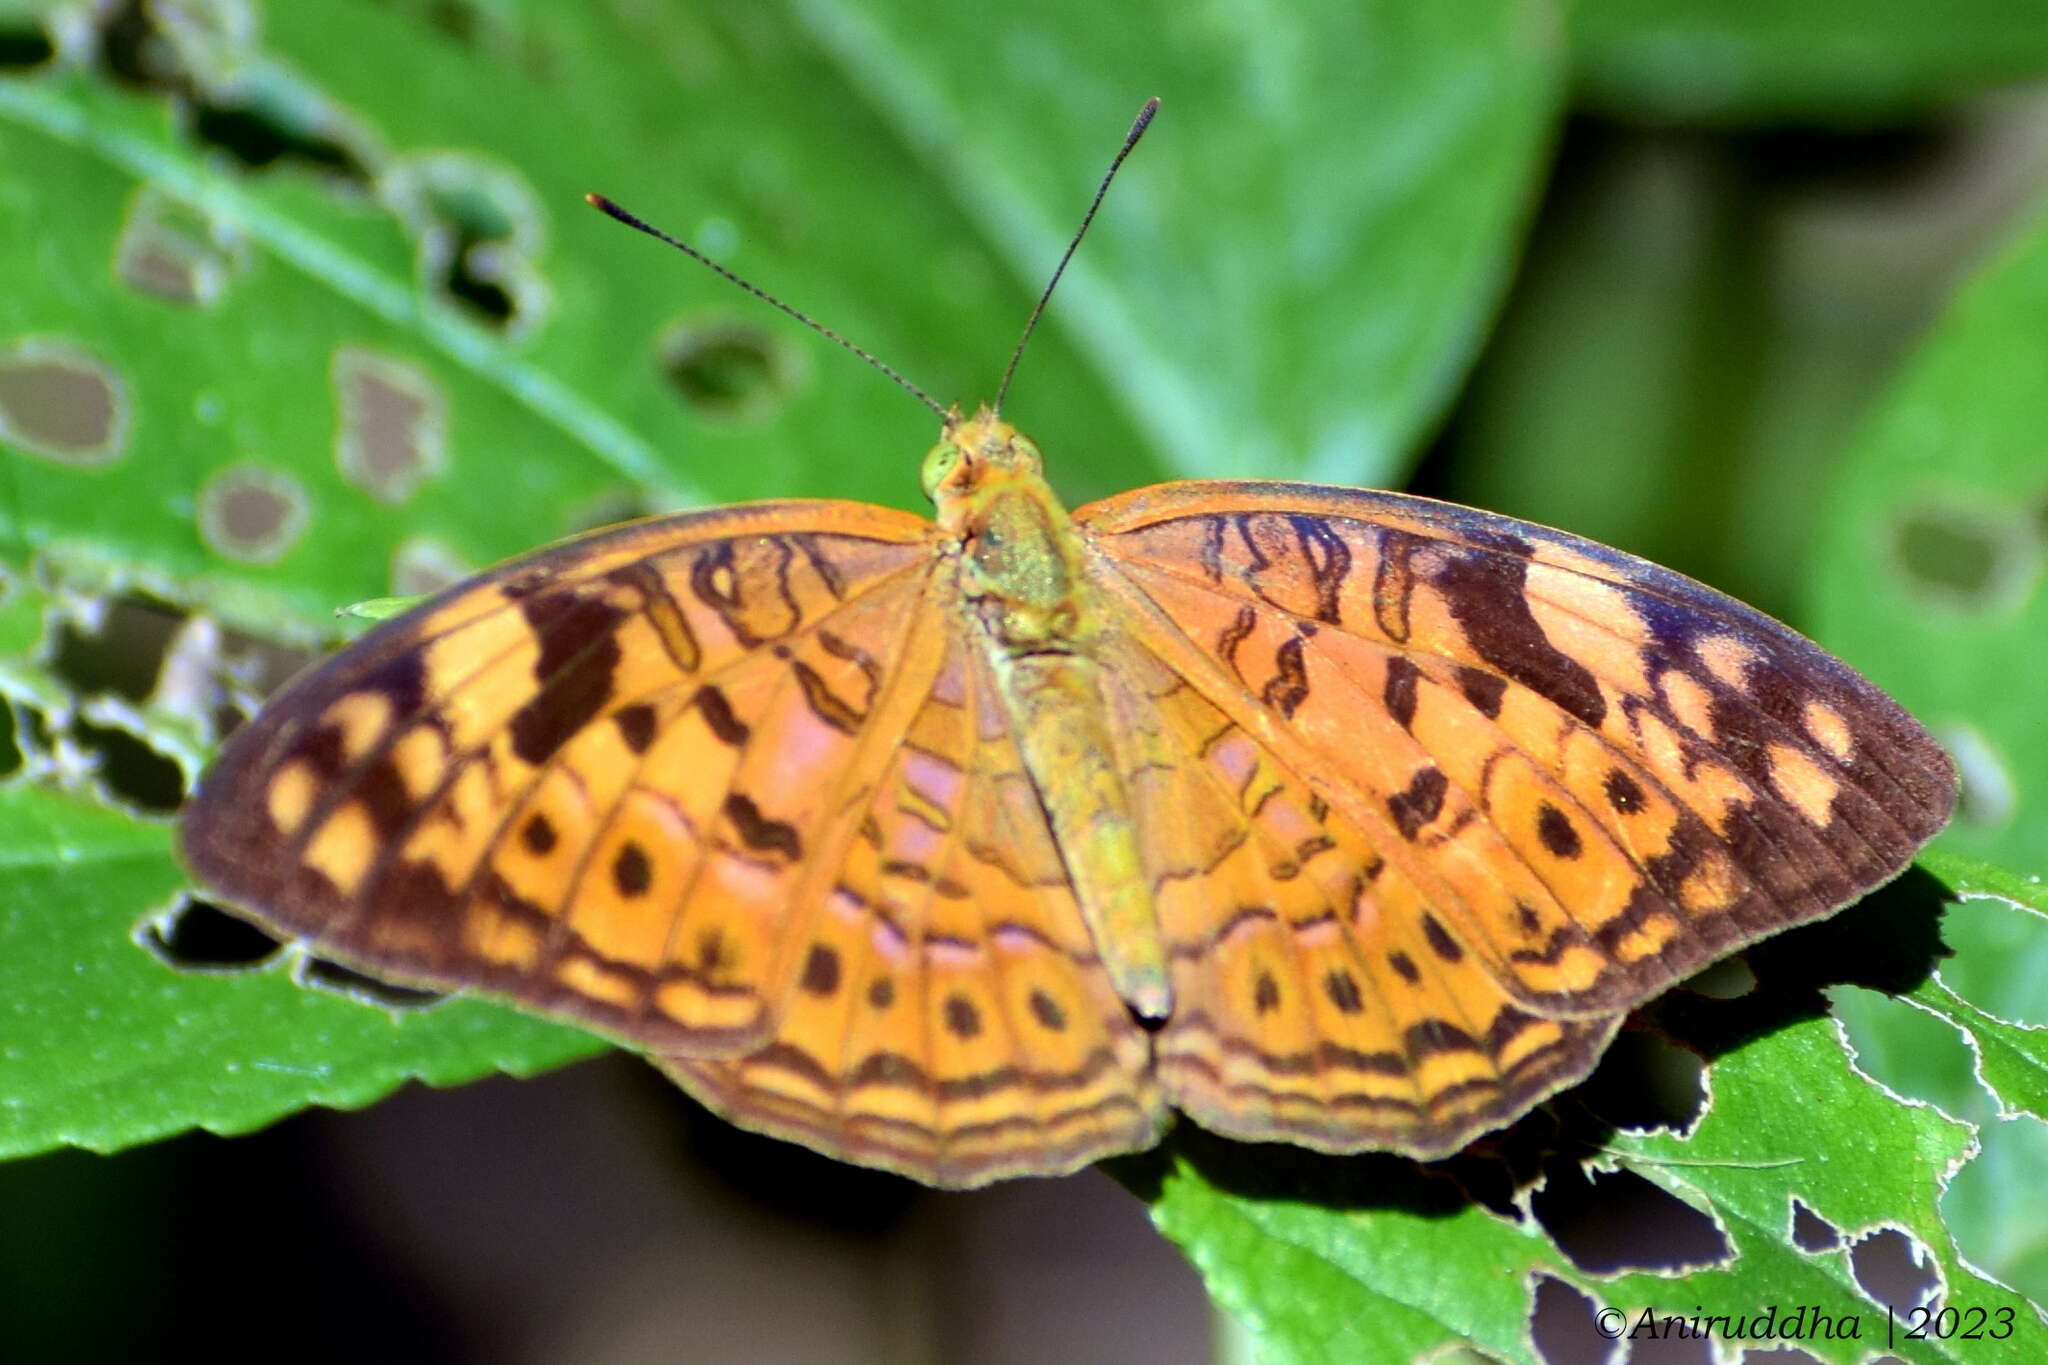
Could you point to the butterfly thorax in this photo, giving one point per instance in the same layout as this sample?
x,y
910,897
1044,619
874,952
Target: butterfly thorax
x,y
1020,562
1022,573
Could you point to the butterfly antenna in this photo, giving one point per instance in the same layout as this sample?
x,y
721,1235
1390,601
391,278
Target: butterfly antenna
x,y
1030,324
611,210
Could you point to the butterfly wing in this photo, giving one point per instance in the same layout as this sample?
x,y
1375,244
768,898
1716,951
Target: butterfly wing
x,y
955,1022
1484,787
545,782
1313,1002
725,785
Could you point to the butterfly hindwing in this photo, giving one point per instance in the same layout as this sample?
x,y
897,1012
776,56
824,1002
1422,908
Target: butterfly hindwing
x,y
1316,998
954,1020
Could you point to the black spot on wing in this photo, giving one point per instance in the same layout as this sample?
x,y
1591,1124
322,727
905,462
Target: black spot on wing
x,y
760,833
1399,692
1419,803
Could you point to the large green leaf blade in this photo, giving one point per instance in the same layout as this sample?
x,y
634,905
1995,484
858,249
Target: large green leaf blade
x,y
101,1046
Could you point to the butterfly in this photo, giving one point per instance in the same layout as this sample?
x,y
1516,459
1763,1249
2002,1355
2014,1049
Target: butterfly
x,y
976,847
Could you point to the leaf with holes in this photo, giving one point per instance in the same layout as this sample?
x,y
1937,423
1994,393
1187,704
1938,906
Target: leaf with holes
x,y
296,353
1933,574
1336,1261
165,1051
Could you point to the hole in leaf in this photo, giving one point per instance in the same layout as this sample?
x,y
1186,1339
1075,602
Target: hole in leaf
x,y
1893,1269
135,52
32,730
129,769
196,54
59,401
731,371
261,137
173,251
1618,1221
393,423
118,649
251,514
478,228
23,44
1646,1082
1812,1233
10,752
326,975
1563,1328
1963,558
198,936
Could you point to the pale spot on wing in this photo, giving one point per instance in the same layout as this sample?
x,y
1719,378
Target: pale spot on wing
x,y
500,937
359,718
1648,939
933,780
1592,621
1691,703
1564,557
1828,728
948,954
1323,933
739,881
1728,659
586,977
1802,783
342,848
420,756
290,795
1238,757
1709,788
1713,885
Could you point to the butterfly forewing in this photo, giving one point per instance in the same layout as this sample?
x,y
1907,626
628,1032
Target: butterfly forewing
x,y
1596,775
546,783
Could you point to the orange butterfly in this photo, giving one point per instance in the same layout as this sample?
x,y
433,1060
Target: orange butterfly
x,y
974,848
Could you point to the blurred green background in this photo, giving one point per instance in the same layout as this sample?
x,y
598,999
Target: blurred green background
x,y
301,307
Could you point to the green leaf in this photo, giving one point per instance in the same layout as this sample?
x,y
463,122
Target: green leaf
x,y
333,323
1838,60
1371,1258
1930,579
102,1046
1297,289
1934,543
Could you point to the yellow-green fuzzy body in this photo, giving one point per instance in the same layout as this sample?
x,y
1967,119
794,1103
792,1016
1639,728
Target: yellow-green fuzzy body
x,y
1021,569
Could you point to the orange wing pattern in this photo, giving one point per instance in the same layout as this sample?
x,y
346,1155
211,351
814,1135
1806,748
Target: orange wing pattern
x,y
955,1021
1426,800
1312,1000
544,783
733,785
1473,789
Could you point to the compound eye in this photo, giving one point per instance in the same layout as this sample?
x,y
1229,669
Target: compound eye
x,y
940,461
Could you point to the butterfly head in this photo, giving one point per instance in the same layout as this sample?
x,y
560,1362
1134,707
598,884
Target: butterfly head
x,y
976,455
